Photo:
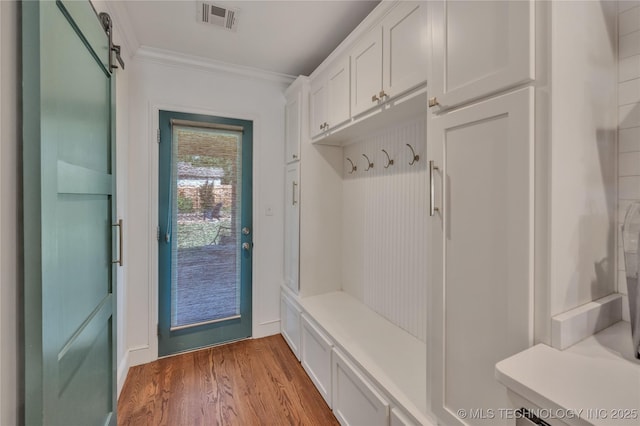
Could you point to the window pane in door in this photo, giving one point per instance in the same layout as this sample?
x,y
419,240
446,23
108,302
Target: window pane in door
x,y
205,199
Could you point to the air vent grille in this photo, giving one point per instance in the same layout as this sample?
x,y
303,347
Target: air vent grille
x,y
212,14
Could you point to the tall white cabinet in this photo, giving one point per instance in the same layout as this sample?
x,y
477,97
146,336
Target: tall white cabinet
x,y
481,150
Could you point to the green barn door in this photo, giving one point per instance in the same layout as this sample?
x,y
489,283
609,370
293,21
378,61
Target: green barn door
x,y
69,209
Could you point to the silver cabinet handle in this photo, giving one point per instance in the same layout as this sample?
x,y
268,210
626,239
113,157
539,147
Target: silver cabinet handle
x,y
432,197
293,193
119,261
433,102
375,98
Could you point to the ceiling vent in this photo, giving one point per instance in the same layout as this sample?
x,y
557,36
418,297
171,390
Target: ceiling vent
x,y
209,13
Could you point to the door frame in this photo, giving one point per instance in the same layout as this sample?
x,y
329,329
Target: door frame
x,y
149,352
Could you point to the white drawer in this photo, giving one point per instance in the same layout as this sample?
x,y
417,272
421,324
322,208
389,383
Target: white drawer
x,y
290,323
316,357
356,401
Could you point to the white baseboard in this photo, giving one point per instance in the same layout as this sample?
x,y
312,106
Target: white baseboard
x,y
123,370
268,328
141,355
577,324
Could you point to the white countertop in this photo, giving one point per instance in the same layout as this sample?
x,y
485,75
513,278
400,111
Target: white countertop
x,y
597,378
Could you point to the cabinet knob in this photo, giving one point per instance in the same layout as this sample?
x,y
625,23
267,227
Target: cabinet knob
x,y
375,98
383,94
295,157
433,102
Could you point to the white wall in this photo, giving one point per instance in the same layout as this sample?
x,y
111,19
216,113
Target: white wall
x,y
629,127
582,152
165,84
10,160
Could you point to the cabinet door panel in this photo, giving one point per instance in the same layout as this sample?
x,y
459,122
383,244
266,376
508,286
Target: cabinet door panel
x,y
355,400
316,357
293,115
479,48
318,110
290,315
482,251
339,108
292,227
366,71
405,47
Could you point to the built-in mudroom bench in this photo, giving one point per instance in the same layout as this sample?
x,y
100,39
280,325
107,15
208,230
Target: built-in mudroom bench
x,y
369,371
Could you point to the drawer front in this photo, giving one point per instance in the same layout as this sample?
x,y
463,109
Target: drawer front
x,y
356,402
316,357
290,324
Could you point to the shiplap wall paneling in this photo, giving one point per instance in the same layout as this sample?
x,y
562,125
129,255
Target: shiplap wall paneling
x,y
385,225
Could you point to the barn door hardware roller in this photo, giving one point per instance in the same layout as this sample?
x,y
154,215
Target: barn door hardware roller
x,y
107,24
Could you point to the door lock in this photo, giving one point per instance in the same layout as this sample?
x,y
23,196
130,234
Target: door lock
x,y
246,231
246,246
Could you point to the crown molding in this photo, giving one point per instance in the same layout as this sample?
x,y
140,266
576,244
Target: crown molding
x,y
169,57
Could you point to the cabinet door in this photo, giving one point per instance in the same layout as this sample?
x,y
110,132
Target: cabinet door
x,y
290,323
356,401
293,114
366,72
481,251
339,93
318,108
404,50
292,227
316,357
479,48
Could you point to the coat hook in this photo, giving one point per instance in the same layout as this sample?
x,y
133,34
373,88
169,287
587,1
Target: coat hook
x,y
389,160
369,163
353,166
415,156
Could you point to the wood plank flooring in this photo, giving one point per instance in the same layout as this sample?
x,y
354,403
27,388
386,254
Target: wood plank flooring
x,y
252,382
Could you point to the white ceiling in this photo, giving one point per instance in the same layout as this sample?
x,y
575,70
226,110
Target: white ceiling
x,y
289,37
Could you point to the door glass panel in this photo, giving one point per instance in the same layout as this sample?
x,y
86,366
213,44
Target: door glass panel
x,y
205,218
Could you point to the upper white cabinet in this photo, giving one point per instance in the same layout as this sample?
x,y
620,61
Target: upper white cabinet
x,y
318,118
366,72
482,250
391,58
330,103
479,48
404,48
338,93
293,133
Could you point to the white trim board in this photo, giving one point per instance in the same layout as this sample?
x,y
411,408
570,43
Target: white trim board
x,y
577,324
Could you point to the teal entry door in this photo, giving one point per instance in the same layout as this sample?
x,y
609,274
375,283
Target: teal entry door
x,y
205,233
69,210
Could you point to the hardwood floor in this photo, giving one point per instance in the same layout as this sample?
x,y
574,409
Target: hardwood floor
x,y
252,382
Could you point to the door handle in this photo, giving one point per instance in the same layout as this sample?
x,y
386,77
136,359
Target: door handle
x,y
293,193
246,246
120,242
432,197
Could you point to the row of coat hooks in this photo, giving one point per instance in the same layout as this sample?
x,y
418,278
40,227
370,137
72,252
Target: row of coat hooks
x,y
389,162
